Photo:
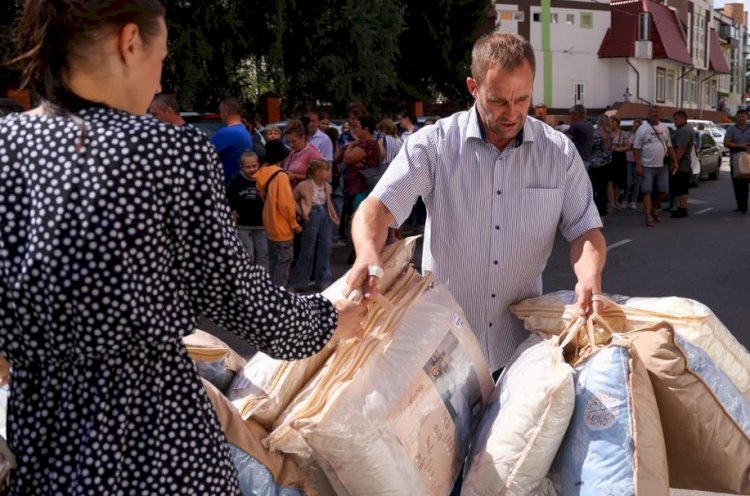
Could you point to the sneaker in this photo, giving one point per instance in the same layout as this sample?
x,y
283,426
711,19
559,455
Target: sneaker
x,y
632,205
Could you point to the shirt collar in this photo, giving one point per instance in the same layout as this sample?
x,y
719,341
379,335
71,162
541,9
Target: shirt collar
x,y
476,130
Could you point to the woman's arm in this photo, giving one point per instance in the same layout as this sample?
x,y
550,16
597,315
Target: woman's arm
x,y
353,155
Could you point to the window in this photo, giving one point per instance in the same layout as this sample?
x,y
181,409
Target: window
x,y
537,16
669,93
644,26
690,88
699,39
554,18
519,16
661,82
570,18
707,141
577,93
587,20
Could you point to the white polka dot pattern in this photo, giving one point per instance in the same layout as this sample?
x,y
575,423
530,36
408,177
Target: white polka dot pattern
x,y
109,252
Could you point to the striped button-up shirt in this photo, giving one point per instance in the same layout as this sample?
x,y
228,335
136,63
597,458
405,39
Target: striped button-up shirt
x,y
491,215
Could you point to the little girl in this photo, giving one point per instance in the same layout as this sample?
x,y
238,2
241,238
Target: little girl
x,y
315,209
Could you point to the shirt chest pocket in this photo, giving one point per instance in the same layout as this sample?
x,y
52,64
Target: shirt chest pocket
x,y
540,211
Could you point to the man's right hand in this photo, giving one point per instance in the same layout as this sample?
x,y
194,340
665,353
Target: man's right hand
x,y
360,277
638,169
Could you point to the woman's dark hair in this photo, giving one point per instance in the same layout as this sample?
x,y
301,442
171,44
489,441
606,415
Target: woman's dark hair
x,y
296,127
368,122
53,31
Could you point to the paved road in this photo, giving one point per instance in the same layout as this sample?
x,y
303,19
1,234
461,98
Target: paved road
x,y
705,257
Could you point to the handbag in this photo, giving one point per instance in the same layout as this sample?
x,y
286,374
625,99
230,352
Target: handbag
x,y
741,165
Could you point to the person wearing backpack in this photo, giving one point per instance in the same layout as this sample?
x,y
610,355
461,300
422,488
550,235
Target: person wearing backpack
x,y
279,212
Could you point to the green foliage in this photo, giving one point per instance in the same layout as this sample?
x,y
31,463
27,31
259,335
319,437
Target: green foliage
x,y
379,52
436,49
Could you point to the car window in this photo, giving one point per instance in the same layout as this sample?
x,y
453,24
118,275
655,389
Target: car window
x,y
707,140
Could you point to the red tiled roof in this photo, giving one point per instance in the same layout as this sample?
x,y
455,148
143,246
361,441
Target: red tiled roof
x,y
717,62
666,35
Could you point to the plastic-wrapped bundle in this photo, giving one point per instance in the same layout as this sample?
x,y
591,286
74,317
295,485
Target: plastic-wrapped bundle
x,y
524,424
215,360
395,413
261,472
266,386
551,313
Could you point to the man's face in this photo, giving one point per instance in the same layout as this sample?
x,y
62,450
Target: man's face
x,y
679,120
159,112
312,126
654,115
741,119
503,100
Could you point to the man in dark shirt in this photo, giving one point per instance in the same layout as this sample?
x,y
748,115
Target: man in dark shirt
x,y
682,143
581,132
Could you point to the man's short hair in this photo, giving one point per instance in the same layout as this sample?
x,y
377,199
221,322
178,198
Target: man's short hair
x,y
578,109
502,49
166,101
232,105
741,111
680,113
368,122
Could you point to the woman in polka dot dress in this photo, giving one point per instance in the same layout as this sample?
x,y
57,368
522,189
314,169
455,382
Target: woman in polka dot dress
x,y
115,236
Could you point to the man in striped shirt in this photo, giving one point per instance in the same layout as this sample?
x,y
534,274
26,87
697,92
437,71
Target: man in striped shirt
x,y
497,185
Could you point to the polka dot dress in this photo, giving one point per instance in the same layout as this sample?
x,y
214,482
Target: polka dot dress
x,y
114,237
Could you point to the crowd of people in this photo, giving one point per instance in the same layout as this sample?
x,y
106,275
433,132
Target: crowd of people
x,y
293,193
649,162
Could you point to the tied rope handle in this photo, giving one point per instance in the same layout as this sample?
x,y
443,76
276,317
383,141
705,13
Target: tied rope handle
x,y
586,334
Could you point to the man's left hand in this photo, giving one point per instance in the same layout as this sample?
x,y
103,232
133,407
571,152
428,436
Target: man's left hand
x,y
585,304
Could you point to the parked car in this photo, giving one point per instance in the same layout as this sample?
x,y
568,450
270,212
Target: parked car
x,y
627,124
207,122
709,154
716,131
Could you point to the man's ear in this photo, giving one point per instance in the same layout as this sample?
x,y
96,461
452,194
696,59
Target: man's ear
x,y
128,41
472,85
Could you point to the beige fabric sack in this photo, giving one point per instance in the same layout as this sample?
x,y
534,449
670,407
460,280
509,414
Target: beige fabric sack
x,y
266,386
247,436
706,421
214,359
552,312
395,414
741,165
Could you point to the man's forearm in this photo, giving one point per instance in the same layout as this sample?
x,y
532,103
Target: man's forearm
x,y
370,227
588,253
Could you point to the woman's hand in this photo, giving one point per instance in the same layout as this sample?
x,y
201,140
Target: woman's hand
x,y
351,314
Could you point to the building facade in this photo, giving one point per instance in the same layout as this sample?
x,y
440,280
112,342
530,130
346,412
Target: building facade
x,y
627,54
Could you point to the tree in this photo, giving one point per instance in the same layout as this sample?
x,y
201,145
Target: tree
x,y
341,50
436,47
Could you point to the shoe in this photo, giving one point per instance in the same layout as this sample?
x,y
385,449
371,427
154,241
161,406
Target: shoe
x,y
632,205
656,215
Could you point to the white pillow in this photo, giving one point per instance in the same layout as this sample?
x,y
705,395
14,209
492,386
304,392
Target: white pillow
x,y
524,424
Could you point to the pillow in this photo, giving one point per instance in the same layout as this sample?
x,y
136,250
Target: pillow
x,y
524,424
692,320
705,418
614,444
245,437
215,360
